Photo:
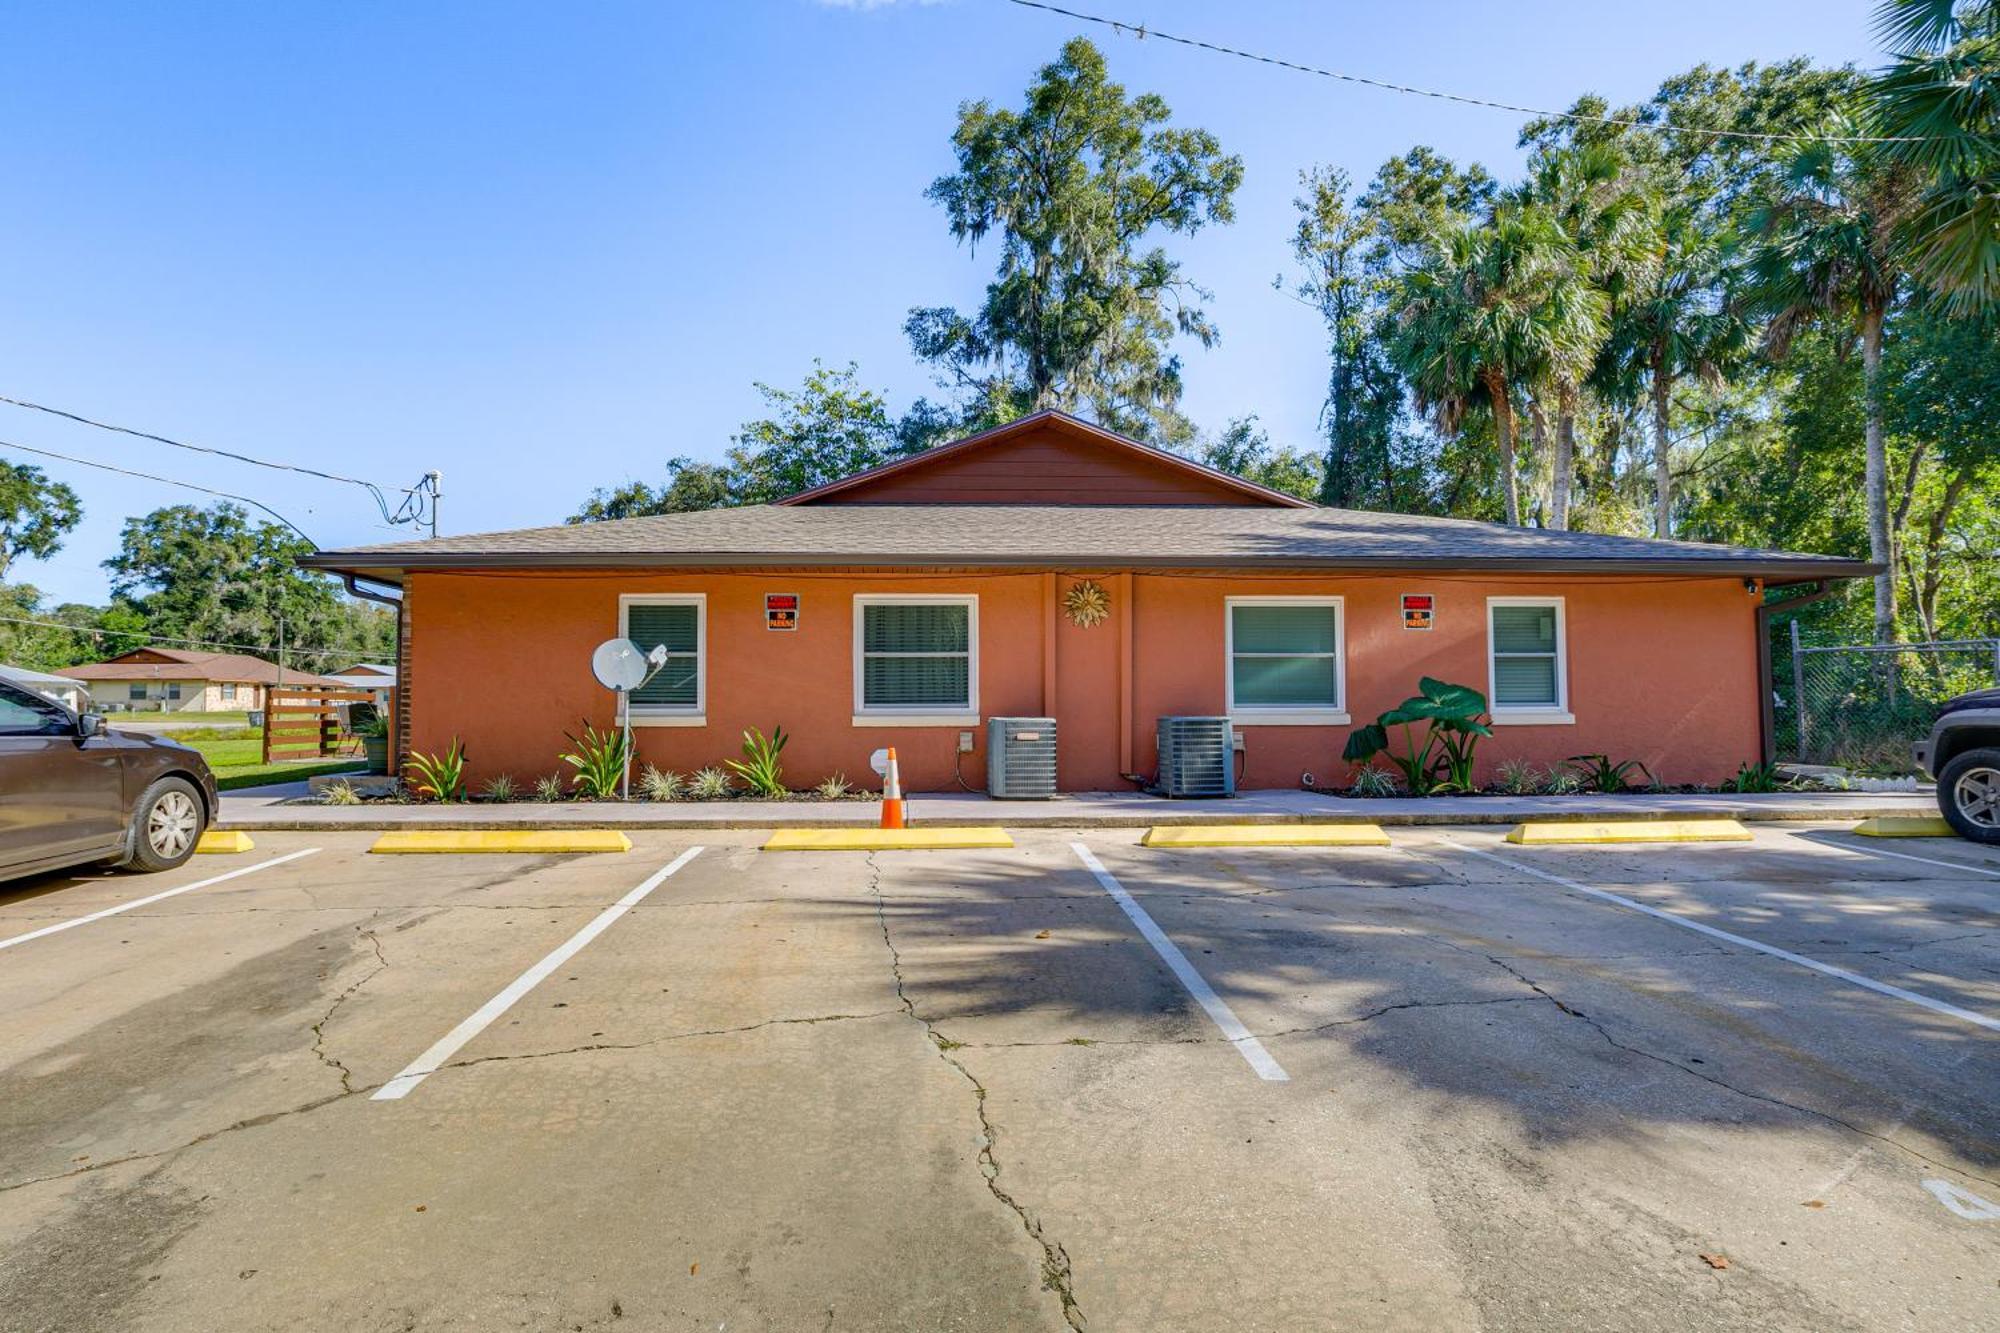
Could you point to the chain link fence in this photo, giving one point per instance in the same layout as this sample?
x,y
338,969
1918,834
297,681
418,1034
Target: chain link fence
x,y
1862,706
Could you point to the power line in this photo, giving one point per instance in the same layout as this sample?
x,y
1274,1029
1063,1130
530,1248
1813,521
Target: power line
x,y
411,510
1141,31
165,481
178,444
99,632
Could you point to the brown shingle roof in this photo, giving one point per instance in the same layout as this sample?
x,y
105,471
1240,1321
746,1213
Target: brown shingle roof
x,y
184,664
1073,537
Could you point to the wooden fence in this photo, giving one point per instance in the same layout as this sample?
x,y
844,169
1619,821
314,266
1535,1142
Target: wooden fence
x,y
310,723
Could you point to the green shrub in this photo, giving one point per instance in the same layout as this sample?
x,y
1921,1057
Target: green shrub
x,y
340,793
599,761
709,784
759,767
1562,782
1520,778
661,784
549,789
439,776
1598,773
1756,779
834,788
502,788
1450,715
1372,781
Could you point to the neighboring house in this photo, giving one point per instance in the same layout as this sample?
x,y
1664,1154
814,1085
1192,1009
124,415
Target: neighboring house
x,y
375,677
906,604
176,680
69,693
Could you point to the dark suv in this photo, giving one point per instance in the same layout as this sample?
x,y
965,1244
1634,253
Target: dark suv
x,y
1963,754
73,793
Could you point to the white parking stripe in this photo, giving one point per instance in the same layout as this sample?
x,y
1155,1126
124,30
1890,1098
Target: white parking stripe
x,y
1239,1036
1674,918
74,922
1859,850
448,1045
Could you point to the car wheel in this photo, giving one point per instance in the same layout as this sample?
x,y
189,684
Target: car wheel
x,y
166,824
1968,793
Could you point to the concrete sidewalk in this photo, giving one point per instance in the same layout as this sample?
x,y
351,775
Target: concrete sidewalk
x,y
255,809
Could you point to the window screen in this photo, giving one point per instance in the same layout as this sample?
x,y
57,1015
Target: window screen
x,y
916,655
1285,656
677,686
1525,648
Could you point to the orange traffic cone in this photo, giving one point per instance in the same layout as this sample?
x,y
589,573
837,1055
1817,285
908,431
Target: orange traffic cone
x,y
892,794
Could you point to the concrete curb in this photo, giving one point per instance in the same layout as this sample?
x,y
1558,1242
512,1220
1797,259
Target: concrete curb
x,y
316,819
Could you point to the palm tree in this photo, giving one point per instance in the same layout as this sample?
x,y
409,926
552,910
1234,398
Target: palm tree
x,y
1466,326
1675,323
1829,252
1600,244
1939,103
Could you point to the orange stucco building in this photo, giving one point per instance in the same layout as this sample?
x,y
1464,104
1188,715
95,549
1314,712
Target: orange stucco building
x,y
908,604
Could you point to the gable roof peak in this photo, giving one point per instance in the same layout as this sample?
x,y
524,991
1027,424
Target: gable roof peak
x,y
1230,489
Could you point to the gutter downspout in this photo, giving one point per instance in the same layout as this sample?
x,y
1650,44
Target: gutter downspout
x,y
1767,722
395,604
1125,684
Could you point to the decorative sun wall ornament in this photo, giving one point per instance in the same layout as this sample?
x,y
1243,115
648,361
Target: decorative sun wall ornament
x,y
1086,603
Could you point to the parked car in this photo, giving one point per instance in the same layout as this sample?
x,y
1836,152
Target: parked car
x,y
1963,754
73,792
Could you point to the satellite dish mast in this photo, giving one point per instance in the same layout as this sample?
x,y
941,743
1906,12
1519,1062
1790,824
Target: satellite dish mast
x,y
621,666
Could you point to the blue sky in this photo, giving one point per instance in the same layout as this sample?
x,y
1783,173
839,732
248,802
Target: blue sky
x,y
544,247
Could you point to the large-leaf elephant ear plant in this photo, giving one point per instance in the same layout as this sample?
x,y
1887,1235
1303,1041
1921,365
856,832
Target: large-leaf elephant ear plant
x,y
1453,718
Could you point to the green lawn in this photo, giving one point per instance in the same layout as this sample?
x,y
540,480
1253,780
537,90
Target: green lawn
x,y
239,753
238,761
256,775
236,719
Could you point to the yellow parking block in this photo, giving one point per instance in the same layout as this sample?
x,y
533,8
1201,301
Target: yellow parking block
x,y
884,839
1266,835
538,841
1905,826
213,841
1629,830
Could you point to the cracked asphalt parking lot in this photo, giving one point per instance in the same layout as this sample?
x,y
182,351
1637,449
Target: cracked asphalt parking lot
x,y
961,1090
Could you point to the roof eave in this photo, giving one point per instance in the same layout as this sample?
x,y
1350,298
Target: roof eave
x,y
1776,572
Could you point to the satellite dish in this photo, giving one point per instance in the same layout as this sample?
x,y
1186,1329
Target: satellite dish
x,y
619,665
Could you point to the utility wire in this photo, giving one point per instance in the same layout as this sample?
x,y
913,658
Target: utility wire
x,y
101,633
409,511
167,481
179,444
1141,31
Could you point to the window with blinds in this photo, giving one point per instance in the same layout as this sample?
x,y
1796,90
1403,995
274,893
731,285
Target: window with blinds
x,y
1526,640
676,623
1284,654
916,655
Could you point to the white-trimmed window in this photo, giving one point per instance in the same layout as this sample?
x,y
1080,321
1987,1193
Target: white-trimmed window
x,y
916,660
1527,660
1286,664
677,695
228,692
